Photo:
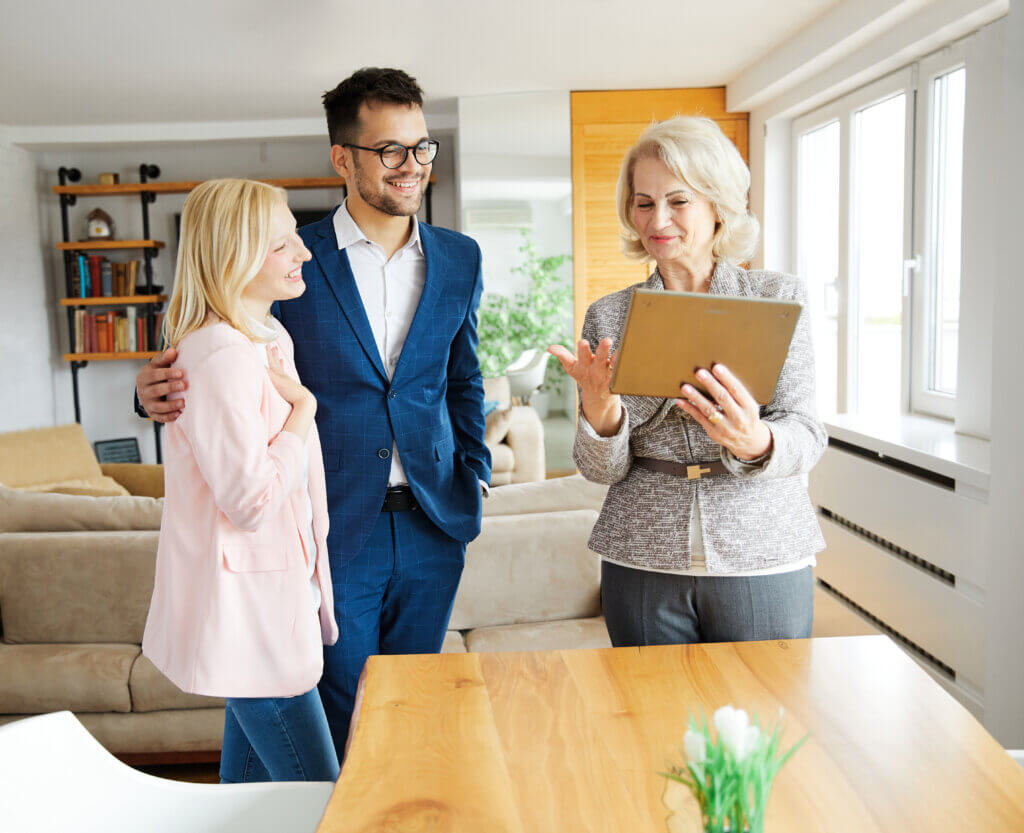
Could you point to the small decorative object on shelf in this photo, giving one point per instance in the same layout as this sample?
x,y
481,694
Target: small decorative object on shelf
x,y
732,777
99,225
110,179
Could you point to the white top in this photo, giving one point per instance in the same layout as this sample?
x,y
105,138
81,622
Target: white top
x,y
390,291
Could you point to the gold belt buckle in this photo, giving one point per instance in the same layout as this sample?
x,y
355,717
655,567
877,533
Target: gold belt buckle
x,y
695,472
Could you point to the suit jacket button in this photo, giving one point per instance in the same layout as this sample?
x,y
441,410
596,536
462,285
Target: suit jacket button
x,y
384,454
392,394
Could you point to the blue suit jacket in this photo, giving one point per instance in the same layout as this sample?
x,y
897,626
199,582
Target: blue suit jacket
x,y
431,409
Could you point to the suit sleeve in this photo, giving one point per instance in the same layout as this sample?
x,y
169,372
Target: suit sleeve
x,y
250,473
466,388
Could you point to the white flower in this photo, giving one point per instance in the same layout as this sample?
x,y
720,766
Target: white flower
x,y
735,731
696,746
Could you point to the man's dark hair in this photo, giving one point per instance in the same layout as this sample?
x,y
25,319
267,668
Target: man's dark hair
x,y
369,84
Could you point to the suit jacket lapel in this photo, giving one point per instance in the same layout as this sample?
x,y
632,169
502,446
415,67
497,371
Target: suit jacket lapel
x,y
338,272
436,270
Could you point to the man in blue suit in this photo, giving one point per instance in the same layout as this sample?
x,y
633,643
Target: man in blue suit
x,y
385,338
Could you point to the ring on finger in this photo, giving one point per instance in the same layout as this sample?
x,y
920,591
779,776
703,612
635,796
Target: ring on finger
x,y
715,417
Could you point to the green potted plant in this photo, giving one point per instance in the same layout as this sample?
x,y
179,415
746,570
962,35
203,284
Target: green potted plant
x,y
731,776
537,317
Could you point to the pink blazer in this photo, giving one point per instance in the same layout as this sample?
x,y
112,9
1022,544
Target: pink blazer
x,y
232,610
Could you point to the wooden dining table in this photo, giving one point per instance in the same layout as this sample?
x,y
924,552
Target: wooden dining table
x,y
575,741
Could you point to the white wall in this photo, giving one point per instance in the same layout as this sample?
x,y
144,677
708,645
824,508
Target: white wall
x,y
106,387
1004,684
27,354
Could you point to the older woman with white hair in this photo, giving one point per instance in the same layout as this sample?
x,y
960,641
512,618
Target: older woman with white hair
x,y
726,556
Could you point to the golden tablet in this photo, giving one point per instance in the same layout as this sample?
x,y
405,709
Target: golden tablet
x,y
668,335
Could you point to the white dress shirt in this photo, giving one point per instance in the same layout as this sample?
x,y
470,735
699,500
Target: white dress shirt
x,y
390,291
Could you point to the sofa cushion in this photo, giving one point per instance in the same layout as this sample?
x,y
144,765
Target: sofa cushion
x,y
76,586
35,679
46,455
546,496
152,691
29,512
453,643
144,479
541,636
502,458
99,486
529,568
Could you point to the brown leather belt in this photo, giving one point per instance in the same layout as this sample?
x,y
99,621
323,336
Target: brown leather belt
x,y
691,472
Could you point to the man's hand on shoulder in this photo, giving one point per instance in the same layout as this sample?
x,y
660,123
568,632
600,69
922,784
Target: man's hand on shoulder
x,y
155,381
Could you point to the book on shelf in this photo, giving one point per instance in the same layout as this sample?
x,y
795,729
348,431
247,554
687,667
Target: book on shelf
x,y
123,331
94,276
85,284
95,280
76,278
132,326
106,278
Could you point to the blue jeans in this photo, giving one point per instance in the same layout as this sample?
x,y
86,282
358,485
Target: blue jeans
x,y
277,739
642,607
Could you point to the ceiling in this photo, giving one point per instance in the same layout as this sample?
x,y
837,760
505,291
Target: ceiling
x,y
105,62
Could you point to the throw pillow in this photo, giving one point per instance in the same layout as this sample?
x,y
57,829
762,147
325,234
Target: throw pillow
x,y
49,512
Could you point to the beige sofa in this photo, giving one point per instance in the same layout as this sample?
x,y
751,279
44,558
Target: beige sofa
x,y
514,436
76,574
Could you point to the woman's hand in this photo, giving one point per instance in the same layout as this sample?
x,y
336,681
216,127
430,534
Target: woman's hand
x,y
592,371
291,391
732,417
302,401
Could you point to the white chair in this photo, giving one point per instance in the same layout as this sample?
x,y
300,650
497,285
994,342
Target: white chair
x,y
526,374
55,776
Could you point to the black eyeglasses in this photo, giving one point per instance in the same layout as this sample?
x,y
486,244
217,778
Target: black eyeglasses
x,y
394,155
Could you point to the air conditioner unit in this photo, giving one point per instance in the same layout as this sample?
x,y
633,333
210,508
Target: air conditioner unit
x,y
516,215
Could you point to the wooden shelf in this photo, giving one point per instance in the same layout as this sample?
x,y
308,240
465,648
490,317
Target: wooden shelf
x,y
108,245
107,357
106,301
294,184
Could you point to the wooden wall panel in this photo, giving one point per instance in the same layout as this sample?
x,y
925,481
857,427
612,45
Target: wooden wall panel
x,y
605,124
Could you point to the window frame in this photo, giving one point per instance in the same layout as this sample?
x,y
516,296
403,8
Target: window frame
x,y
843,110
923,399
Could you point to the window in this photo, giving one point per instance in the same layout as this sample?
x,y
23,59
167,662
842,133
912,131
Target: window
x,y
936,287
878,187
818,201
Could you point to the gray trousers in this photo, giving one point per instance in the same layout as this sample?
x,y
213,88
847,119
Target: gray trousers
x,y
647,608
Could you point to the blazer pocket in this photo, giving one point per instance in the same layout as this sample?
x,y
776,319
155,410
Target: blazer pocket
x,y
255,561
443,449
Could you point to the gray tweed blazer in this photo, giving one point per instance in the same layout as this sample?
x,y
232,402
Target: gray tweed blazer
x,y
758,516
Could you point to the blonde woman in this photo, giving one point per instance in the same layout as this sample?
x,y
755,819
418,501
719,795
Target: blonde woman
x,y
242,602
728,556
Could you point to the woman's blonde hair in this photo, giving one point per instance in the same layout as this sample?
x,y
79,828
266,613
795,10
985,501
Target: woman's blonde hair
x,y
699,154
225,238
